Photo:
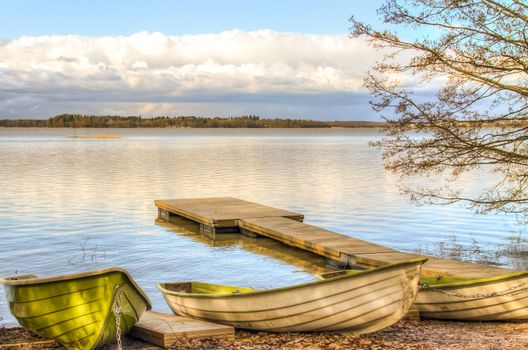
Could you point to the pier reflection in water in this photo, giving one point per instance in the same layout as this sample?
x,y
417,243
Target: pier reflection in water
x,y
305,262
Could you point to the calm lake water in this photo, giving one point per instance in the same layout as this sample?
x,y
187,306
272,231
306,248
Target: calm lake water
x,y
70,205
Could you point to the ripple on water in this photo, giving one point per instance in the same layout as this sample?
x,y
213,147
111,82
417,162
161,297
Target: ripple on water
x,y
72,205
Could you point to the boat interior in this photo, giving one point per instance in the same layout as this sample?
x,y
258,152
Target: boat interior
x,y
204,288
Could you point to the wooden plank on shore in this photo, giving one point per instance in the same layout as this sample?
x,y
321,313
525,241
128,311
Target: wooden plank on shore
x,y
163,330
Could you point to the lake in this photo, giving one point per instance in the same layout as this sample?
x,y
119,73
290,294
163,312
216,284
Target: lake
x,y
70,205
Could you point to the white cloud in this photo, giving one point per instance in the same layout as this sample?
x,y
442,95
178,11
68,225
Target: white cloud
x,y
152,69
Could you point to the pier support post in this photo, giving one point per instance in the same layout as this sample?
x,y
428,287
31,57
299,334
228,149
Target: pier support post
x,y
208,231
348,260
344,262
163,214
335,264
249,233
212,231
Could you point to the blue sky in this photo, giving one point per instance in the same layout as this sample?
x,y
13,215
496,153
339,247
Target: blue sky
x,y
106,17
290,59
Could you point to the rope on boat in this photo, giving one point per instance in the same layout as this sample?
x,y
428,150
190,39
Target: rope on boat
x,y
117,310
511,291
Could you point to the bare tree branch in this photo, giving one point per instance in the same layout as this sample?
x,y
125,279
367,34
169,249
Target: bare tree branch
x,y
477,118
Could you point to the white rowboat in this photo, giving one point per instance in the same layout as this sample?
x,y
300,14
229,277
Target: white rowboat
x,y
363,302
497,298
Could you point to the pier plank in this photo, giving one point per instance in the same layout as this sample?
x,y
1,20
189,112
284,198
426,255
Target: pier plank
x,y
334,245
460,268
222,211
331,244
163,330
366,254
286,231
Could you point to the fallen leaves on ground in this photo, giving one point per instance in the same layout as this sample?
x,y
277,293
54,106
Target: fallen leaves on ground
x,y
405,335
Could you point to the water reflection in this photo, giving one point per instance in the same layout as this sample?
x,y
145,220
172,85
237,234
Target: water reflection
x,y
303,260
514,253
516,250
70,205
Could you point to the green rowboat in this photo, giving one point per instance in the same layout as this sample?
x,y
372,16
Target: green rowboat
x,y
81,311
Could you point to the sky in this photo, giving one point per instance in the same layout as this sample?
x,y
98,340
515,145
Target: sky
x,y
289,59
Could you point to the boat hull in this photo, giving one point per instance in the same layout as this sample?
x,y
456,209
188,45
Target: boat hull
x,y
77,310
499,298
361,303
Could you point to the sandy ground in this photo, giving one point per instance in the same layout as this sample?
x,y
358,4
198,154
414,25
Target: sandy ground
x,y
405,335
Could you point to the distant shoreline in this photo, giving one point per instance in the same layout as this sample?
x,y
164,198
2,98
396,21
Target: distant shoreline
x,y
110,137
75,121
171,127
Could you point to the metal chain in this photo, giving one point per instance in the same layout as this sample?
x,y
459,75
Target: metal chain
x,y
511,291
116,309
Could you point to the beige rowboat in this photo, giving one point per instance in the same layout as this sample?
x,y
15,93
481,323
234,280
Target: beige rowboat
x,y
497,298
363,302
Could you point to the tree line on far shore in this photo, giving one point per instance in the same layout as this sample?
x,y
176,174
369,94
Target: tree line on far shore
x,y
251,121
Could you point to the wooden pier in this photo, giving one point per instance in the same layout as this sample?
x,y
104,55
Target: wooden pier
x,y
219,214
225,214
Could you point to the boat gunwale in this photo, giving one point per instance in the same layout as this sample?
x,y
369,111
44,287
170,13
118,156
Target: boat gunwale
x,y
468,281
19,280
474,282
161,287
